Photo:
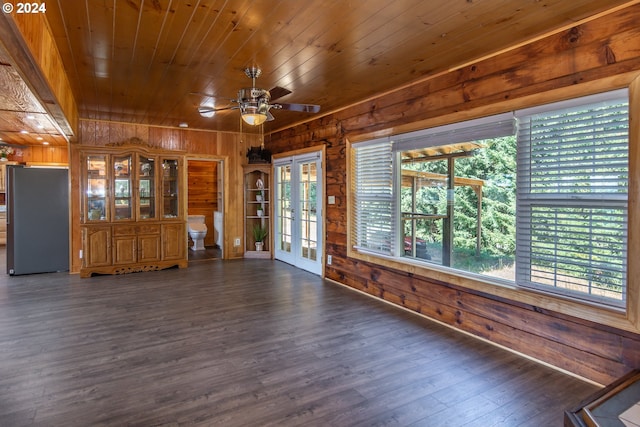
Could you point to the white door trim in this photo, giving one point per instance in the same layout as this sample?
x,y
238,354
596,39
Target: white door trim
x,y
302,248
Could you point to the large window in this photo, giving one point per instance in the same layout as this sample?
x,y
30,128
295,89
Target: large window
x,y
572,197
536,197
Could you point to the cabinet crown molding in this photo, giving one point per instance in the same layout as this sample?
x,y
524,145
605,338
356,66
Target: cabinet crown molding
x,y
132,142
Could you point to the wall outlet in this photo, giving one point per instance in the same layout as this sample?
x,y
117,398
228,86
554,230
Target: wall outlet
x,y
236,242
329,259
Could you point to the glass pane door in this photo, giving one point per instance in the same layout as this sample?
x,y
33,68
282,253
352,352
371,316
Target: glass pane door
x,y
308,204
122,187
96,207
284,213
299,211
146,187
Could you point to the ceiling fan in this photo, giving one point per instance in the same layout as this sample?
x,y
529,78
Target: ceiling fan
x,y
255,103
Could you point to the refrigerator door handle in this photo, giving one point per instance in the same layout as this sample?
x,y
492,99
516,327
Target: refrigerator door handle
x,y
8,202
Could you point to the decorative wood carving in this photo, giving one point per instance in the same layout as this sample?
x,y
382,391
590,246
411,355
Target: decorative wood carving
x,y
134,141
137,269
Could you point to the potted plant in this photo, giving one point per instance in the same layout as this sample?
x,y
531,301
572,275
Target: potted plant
x,y
259,234
5,150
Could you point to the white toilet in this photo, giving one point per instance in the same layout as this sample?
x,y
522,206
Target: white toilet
x,y
197,231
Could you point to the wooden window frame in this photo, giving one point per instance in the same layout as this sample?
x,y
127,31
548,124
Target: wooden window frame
x,y
627,318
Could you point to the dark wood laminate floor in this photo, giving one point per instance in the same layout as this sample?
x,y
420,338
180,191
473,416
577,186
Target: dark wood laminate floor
x,y
250,343
208,253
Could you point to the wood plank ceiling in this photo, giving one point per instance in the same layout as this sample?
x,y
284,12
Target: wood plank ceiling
x,y
155,61
23,119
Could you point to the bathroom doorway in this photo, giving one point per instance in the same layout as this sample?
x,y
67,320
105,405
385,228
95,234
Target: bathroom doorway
x,y
205,185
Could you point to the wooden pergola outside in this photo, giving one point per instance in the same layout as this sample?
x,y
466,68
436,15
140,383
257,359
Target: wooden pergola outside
x,y
416,179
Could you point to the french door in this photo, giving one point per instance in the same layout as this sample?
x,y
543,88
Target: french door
x,y
298,211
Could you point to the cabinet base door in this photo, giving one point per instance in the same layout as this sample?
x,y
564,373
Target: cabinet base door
x,y
97,246
174,241
149,248
124,249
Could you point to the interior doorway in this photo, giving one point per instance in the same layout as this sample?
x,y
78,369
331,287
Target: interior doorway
x,y
298,211
205,186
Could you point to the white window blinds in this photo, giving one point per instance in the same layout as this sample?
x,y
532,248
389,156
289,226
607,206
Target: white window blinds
x,y
471,130
572,197
374,200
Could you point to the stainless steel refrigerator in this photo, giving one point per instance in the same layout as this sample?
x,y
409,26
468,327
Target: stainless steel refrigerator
x,y
37,220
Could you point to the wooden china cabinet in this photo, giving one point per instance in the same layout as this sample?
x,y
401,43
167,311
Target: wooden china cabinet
x,y
132,215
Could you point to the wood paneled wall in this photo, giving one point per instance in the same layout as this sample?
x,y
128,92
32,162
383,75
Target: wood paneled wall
x,y
203,193
227,147
599,55
41,154
54,155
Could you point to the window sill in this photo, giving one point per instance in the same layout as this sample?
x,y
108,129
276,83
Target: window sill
x,y
590,311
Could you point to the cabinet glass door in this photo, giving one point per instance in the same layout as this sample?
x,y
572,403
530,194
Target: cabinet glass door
x,y
96,197
170,190
122,187
146,187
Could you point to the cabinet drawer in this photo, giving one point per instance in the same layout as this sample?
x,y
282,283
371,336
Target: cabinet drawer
x,y
132,230
148,229
124,230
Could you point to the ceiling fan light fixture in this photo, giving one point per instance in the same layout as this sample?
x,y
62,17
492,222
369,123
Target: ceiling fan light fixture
x,y
254,119
254,103
254,113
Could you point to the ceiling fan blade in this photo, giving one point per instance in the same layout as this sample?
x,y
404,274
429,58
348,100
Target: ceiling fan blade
x,y
207,95
208,111
278,92
203,109
270,116
303,108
